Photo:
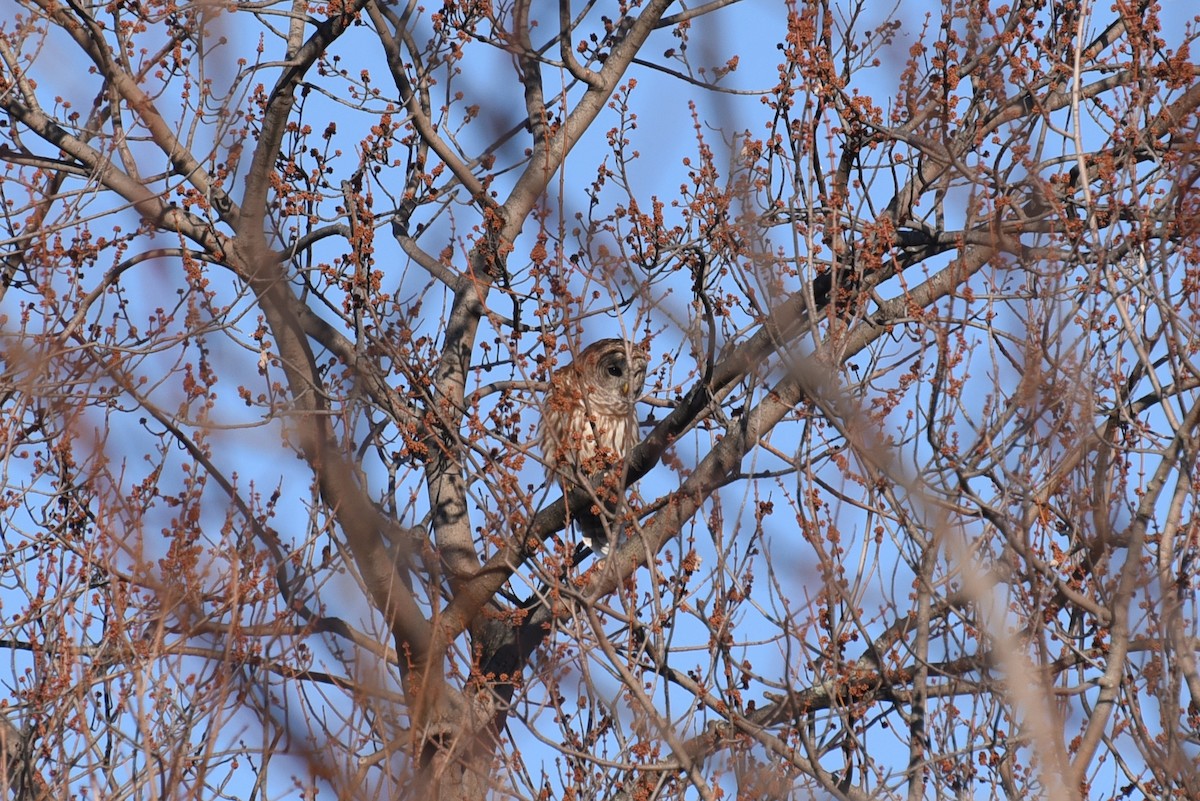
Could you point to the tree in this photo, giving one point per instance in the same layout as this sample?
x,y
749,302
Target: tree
x,y
915,512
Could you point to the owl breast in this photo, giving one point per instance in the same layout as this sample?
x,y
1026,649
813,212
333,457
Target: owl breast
x,y
591,441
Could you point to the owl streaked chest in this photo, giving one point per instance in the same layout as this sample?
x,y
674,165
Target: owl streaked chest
x,y
576,430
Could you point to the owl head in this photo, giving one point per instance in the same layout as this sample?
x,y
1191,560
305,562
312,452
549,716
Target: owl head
x,y
614,373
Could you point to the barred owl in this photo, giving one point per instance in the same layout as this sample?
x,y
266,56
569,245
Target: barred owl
x,y
589,421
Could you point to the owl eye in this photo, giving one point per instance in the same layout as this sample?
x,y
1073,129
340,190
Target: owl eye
x,y
615,370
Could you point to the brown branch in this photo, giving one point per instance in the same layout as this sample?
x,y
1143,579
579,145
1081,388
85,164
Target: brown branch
x,y
446,487
149,205
1178,458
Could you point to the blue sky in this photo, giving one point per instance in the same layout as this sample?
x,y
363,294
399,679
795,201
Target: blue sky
x,y
664,138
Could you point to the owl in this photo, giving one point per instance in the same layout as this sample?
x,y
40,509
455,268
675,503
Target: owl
x,y
589,420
